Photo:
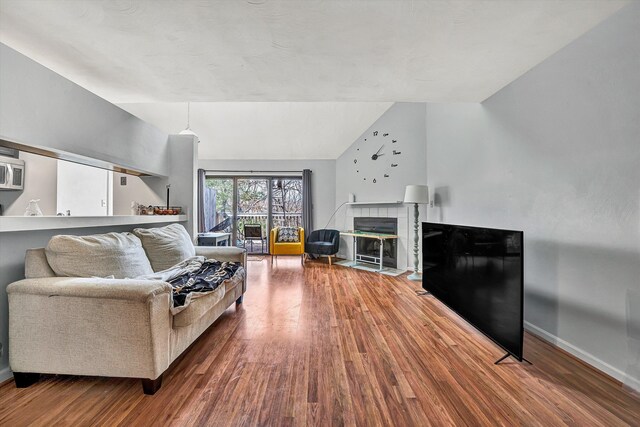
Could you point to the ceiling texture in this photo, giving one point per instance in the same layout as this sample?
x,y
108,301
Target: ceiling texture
x,y
165,53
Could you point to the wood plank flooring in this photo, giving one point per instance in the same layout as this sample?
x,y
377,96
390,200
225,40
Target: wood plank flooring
x,y
335,346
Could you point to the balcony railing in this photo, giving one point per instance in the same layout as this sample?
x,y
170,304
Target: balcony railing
x,y
278,219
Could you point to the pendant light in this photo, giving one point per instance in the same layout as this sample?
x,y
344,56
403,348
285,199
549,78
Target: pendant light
x,y
188,130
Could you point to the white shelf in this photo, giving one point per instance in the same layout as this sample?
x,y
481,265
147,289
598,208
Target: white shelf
x,y
31,223
399,202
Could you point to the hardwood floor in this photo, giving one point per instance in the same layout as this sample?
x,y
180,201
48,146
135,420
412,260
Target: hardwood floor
x,y
335,346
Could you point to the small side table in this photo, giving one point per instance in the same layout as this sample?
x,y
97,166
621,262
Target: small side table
x,y
214,239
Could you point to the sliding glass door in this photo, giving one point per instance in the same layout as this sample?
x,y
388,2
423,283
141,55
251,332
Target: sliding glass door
x,y
286,202
252,214
221,204
248,207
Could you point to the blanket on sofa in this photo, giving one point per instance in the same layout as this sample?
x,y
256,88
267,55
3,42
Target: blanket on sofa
x,y
194,277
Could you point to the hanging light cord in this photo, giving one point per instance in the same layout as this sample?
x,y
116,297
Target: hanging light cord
x,y
188,115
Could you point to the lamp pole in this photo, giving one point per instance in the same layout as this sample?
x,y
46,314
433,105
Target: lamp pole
x,y
416,249
416,194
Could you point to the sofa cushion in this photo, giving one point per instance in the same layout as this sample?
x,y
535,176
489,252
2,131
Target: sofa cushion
x,y
36,264
288,235
166,246
100,255
200,304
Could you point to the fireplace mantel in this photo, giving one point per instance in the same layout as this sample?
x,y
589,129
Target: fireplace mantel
x,y
398,202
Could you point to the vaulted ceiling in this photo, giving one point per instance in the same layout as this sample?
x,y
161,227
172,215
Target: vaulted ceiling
x,y
266,130
146,51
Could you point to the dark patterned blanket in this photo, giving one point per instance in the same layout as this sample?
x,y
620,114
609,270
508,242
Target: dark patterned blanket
x,y
207,278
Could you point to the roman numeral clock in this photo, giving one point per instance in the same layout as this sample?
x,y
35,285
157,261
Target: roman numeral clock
x,y
376,157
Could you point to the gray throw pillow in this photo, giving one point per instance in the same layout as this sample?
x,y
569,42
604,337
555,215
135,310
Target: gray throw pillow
x,y
288,235
100,255
166,246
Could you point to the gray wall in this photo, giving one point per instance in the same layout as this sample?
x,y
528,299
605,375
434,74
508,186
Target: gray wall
x,y
138,189
404,122
323,179
40,182
42,109
557,154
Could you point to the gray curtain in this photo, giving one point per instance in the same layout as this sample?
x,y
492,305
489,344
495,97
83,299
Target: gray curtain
x,y
201,201
307,202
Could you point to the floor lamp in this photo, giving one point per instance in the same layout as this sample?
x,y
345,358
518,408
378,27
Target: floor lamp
x,y
416,194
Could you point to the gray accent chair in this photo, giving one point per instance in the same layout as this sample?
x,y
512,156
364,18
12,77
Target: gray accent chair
x,y
323,242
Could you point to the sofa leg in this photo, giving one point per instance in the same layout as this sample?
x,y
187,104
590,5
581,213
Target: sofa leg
x,y
25,379
239,300
151,386
329,260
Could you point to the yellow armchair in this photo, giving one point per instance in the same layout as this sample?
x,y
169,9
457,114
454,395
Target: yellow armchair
x,y
286,248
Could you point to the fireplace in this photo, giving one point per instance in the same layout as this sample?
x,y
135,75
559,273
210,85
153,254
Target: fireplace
x,y
371,247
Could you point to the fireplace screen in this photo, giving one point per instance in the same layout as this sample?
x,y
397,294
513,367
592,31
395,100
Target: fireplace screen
x,y
371,247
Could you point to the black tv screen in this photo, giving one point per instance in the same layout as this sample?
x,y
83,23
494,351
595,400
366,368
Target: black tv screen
x,y
478,273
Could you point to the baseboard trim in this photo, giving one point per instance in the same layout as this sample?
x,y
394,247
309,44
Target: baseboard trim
x,y
586,357
5,375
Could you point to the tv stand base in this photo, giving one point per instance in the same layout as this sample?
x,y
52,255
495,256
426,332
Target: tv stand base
x,y
507,355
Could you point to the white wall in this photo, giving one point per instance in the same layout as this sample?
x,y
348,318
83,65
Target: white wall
x,y
39,183
557,154
323,179
83,190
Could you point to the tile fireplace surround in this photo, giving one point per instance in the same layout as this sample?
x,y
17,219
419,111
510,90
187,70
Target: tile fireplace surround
x,y
400,212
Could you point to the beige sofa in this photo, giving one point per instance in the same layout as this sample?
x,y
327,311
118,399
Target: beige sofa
x,y
106,327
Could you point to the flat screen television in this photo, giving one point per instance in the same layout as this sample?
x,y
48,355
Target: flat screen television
x,y
478,273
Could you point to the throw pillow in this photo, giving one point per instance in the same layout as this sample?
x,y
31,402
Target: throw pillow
x,y
288,235
113,254
166,246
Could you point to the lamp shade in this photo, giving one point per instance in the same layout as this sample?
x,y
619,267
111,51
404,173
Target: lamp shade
x,y
416,194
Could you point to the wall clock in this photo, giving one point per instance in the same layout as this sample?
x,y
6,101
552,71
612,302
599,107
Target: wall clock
x,y
376,157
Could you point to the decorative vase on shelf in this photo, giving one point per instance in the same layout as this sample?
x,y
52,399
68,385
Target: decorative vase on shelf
x,y
33,209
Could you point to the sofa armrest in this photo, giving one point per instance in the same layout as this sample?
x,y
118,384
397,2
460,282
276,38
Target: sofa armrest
x,y
226,253
223,253
90,326
96,288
